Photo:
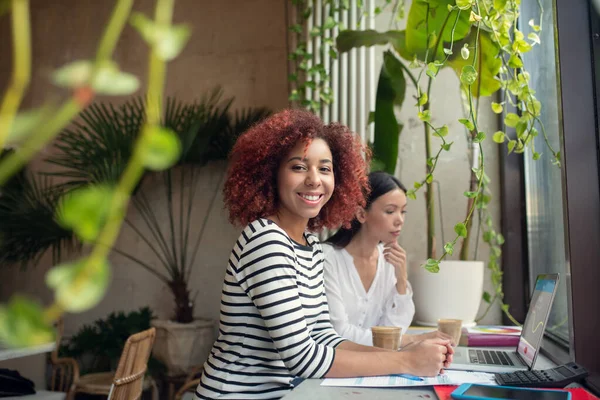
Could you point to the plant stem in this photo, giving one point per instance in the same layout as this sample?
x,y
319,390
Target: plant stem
x,y
113,31
21,33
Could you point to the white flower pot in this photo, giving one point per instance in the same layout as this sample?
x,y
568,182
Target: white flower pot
x,y
183,346
454,292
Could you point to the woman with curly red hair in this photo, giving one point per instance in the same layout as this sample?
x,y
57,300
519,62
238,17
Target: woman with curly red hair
x,y
291,175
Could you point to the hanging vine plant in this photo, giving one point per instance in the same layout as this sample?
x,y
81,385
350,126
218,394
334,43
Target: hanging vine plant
x,y
483,42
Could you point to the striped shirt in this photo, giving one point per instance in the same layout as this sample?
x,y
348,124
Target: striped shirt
x,y
274,322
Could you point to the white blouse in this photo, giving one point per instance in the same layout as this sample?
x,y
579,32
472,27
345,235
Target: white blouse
x,y
354,311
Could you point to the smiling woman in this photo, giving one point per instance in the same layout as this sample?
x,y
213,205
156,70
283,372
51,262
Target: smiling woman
x,y
291,175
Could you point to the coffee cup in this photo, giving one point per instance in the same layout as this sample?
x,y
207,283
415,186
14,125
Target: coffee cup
x,y
452,327
387,337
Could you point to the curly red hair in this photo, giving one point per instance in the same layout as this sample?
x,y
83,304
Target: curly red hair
x,y
250,191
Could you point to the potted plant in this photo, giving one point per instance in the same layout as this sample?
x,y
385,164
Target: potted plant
x,y
482,42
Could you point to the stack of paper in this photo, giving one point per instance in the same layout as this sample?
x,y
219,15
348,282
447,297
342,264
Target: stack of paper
x,y
447,378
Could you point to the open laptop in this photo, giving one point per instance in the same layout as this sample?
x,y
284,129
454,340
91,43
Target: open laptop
x,y
524,356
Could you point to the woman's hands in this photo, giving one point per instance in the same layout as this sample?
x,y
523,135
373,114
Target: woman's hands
x,y
395,255
428,357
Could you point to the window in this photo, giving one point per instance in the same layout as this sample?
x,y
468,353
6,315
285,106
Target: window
x,y
544,206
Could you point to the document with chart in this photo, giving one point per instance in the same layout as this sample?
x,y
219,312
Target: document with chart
x,y
447,378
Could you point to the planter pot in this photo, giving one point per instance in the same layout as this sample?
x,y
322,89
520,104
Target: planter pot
x,y
182,346
454,292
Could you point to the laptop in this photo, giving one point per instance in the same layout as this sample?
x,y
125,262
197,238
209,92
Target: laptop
x,y
524,356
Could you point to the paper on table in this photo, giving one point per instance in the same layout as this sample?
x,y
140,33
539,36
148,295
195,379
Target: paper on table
x,y
495,330
447,378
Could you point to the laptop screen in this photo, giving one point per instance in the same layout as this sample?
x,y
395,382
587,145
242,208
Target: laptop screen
x,y
537,316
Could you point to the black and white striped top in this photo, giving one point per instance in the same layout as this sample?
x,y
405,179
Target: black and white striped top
x,y
274,318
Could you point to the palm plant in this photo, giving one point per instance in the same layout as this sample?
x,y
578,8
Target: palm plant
x,y
28,225
96,151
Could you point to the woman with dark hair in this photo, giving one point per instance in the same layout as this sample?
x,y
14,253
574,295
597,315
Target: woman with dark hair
x,y
365,268
291,175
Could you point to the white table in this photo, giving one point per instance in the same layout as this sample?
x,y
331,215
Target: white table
x,y
8,353
312,389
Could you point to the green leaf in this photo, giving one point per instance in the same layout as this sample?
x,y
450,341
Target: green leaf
x,y
470,195
463,4
499,137
391,90
468,75
500,239
109,81
73,75
480,137
432,265
536,156
443,131
429,178
22,323
487,297
411,194
432,70
488,63
511,145
511,120
460,229
440,20
534,38
79,286
160,148
422,99
515,62
167,42
84,210
521,128
497,108
447,146
467,122
449,248
425,116
535,27
417,185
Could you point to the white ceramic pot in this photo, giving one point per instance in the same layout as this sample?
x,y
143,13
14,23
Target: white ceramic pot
x,y
454,292
183,346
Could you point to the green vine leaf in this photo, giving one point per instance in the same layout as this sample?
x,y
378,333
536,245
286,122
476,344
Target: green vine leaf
x,y
499,137
425,116
461,230
432,265
467,123
449,248
497,108
468,76
160,148
79,286
167,42
511,120
463,4
22,323
84,211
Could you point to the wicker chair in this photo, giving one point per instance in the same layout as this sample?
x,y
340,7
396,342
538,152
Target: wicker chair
x,y
65,371
127,382
190,384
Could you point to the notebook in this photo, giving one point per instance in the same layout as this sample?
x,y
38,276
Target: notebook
x,y
524,356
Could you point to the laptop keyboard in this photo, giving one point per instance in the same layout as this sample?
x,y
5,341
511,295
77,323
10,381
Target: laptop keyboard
x,y
490,357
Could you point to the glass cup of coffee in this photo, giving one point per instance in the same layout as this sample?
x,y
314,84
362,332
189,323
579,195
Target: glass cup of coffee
x,y
452,327
387,337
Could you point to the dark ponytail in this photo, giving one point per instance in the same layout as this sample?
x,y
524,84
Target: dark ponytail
x,y
381,183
